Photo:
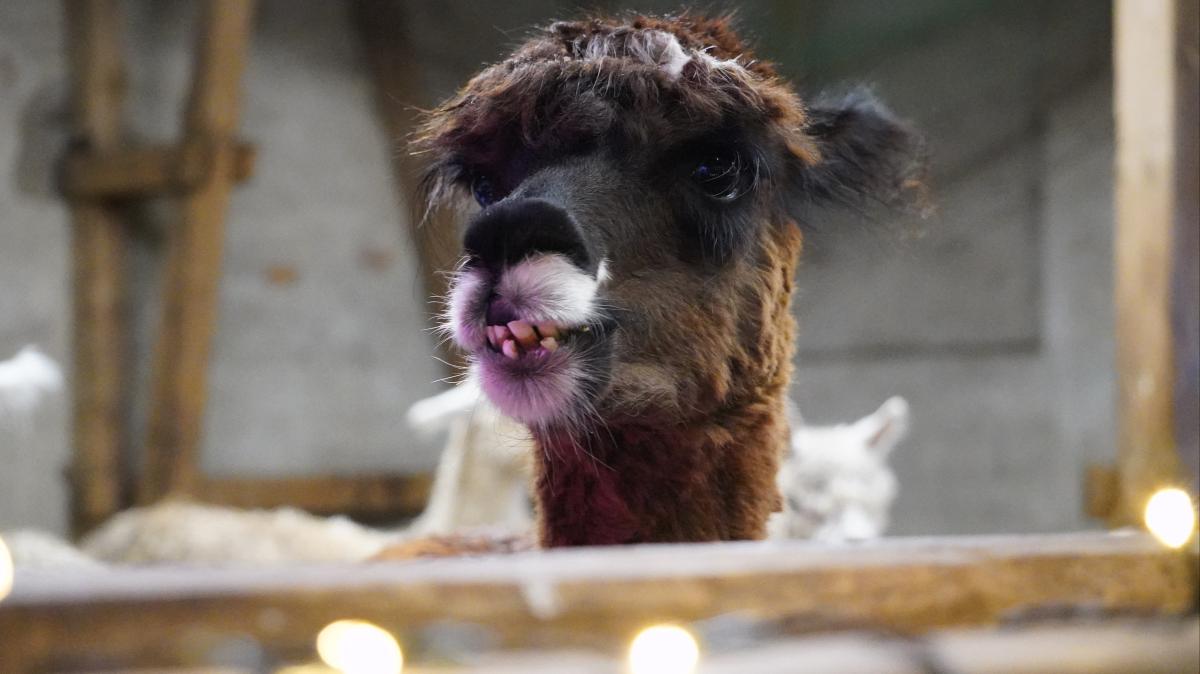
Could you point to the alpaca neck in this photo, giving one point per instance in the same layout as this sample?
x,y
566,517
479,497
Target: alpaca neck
x,y
643,482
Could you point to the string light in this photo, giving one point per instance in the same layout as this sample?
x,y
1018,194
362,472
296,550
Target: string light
x,y
359,647
1171,517
6,570
664,649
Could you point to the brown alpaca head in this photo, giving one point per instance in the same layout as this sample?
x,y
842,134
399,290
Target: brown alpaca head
x,y
626,282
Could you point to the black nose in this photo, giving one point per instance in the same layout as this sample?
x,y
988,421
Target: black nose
x,y
511,231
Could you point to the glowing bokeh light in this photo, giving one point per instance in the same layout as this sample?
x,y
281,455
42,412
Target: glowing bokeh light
x,y
359,647
6,570
664,649
1171,517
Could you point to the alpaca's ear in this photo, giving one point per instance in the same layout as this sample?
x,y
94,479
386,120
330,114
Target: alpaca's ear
x,y
861,153
885,427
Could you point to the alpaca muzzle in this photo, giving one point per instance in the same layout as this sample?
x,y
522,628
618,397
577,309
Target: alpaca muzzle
x,y
533,329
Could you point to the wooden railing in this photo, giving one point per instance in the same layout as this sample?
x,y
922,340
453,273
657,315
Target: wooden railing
x,y
590,599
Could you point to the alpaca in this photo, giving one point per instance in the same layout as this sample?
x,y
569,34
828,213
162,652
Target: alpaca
x,y
25,380
195,534
181,532
836,482
482,474
35,549
625,286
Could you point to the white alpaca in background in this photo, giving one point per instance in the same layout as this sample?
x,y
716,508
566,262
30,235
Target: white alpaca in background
x,y
25,379
836,483
180,532
482,478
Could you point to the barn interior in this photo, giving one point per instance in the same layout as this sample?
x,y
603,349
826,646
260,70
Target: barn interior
x,y
218,285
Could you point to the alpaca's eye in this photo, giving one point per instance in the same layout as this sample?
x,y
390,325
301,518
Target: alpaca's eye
x,y
721,176
483,190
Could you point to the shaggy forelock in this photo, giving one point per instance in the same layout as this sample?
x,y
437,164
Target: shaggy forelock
x,y
576,81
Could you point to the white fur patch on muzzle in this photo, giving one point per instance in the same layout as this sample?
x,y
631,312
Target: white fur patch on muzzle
x,y
544,288
549,288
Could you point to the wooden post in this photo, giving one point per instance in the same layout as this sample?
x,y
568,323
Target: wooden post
x,y
100,372
180,377
1148,60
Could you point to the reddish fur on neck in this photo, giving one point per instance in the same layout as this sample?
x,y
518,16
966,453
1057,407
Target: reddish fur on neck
x,y
643,483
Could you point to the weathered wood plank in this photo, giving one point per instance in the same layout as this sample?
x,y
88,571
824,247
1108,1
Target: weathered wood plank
x,y
100,371
1146,60
180,378
594,597
366,495
146,171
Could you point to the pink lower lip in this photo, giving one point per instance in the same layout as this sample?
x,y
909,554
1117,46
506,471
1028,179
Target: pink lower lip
x,y
532,368
533,388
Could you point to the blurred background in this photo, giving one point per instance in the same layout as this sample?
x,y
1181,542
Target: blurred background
x,y
993,318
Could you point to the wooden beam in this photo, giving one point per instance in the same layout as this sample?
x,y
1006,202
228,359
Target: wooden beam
x,y
373,496
1147,57
147,171
180,377
98,249
596,597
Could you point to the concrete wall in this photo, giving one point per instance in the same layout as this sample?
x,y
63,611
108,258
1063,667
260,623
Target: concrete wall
x,y
1000,437
993,318
33,254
